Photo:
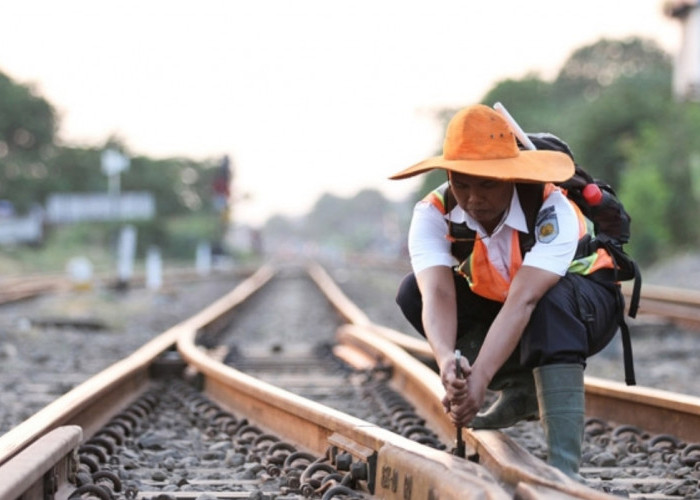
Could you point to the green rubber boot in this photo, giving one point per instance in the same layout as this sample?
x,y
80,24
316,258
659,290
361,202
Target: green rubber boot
x,y
517,401
561,400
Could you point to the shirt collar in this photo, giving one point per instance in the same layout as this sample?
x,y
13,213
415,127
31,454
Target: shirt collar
x,y
513,218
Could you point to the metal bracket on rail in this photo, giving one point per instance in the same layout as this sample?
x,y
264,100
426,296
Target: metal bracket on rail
x,y
365,469
47,464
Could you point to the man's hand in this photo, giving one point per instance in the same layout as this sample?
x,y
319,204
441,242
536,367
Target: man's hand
x,y
463,411
455,386
464,397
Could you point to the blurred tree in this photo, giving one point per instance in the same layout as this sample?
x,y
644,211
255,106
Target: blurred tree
x,y
590,69
74,169
615,118
611,102
661,184
180,185
32,165
27,121
354,223
27,127
646,195
531,100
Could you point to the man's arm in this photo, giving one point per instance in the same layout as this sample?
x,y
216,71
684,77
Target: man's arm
x,y
527,288
439,310
437,289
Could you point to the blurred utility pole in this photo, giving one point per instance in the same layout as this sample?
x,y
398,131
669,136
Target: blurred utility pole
x,y
221,200
221,185
686,75
113,164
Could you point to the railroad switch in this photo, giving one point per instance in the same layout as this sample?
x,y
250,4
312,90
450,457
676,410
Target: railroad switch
x,y
169,365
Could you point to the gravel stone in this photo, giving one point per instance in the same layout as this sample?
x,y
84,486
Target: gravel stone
x,y
39,361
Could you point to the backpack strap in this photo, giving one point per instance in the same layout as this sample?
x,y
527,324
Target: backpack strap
x,y
531,196
462,236
629,267
626,340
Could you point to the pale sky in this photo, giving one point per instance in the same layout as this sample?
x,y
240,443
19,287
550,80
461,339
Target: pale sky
x,y
306,96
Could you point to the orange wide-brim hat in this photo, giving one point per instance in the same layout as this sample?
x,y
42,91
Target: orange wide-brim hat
x,y
479,142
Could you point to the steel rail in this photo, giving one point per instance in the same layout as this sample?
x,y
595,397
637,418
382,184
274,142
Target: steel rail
x,y
121,382
652,409
677,304
405,467
426,470
55,450
681,306
396,467
501,455
18,288
91,404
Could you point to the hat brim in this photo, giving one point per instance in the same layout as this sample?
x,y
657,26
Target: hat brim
x,y
528,166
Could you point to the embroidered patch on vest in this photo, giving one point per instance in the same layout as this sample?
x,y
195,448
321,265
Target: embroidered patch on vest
x,y
547,226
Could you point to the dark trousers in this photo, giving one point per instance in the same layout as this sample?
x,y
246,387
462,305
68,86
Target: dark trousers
x,y
575,319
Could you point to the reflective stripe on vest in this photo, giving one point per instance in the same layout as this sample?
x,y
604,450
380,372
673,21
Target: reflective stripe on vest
x,y
437,199
600,259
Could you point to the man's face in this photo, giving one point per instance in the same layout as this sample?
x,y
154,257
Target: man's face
x,y
482,198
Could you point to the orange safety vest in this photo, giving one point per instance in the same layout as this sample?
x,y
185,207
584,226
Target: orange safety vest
x,y
485,280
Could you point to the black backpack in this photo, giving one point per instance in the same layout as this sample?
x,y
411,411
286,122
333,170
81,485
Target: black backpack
x,y
611,223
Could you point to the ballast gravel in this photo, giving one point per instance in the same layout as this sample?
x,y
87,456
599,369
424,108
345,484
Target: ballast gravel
x,y
51,344
41,359
46,349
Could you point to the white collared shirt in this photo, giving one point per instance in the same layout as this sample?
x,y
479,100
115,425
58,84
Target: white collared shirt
x,y
428,245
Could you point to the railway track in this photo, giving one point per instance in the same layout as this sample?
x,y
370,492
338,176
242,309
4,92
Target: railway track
x,y
353,404
680,306
17,288
24,287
